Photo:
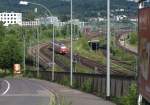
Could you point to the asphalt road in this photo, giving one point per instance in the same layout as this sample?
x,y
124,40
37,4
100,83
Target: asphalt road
x,y
23,92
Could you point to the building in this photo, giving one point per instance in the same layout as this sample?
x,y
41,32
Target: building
x,y
98,19
120,17
11,18
30,23
78,23
48,20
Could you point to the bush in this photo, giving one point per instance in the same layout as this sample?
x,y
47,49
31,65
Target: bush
x,y
133,39
130,99
87,86
65,81
76,84
28,74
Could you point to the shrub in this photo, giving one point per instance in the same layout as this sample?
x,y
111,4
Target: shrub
x,y
87,86
65,81
130,99
133,39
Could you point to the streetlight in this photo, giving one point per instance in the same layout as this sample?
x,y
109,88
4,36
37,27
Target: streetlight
x,y
108,49
71,55
27,3
24,50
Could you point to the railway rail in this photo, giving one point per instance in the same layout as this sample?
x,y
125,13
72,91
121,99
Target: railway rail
x,y
118,37
45,58
101,68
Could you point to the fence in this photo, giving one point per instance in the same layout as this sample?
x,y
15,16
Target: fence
x,y
119,84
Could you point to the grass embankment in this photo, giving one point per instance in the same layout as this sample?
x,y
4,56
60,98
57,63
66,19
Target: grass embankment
x,y
81,47
122,55
78,67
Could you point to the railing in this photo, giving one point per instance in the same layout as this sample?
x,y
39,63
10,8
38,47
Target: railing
x,y
119,84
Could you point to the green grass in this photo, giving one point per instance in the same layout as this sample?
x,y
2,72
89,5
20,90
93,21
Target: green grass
x,y
82,48
79,67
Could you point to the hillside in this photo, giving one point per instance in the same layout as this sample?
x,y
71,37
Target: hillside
x,y
81,8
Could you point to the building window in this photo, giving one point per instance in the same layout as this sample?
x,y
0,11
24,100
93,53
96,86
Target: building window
x,y
7,21
7,14
14,21
4,14
14,14
11,21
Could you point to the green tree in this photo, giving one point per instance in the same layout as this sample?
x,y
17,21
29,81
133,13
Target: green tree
x,y
2,31
133,39
10,52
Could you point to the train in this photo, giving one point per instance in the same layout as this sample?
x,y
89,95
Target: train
x,y
59,47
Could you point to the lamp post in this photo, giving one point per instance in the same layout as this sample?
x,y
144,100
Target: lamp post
x,y
108,49
27,3
24,50
71,54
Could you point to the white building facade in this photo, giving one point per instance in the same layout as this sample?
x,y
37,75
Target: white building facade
x,y
11,18
49,20
30,23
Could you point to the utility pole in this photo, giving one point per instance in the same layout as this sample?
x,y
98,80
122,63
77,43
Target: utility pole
x,y
71,54
38,52
53,60
24,53
108,49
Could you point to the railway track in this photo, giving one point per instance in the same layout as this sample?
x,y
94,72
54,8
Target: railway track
x,y
125,65
45,58
45,51
95,65
122,47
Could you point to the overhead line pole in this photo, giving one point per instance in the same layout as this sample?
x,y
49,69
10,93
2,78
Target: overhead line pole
x,y
26,3
38,68
71,55
24,62
108,49
53,60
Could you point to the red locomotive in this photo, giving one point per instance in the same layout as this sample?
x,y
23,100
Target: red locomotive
x,y
59,47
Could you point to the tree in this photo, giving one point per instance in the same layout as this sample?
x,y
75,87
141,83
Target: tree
x,y
133,38
10,52
2,31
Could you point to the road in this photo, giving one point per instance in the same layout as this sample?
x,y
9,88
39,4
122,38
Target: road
x,y
38,92
23,92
